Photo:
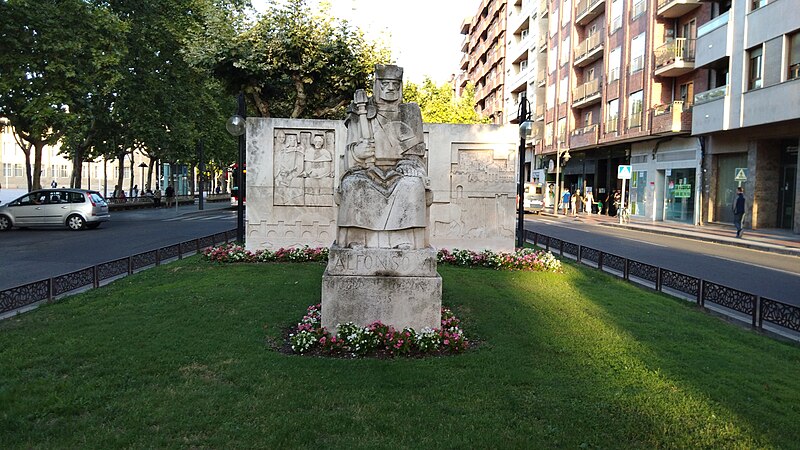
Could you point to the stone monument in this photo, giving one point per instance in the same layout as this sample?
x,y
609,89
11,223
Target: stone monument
x,y
381,265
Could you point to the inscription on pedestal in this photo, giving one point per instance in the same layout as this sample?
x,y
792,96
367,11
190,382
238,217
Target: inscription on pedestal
x,y
382,262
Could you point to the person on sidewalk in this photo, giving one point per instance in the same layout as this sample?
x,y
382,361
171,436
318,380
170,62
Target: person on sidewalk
x,y
565,201
574,202
170,193
738,211
588,201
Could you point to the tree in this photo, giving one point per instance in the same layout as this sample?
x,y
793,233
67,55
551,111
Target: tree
x,y
291,62
439,104
54,56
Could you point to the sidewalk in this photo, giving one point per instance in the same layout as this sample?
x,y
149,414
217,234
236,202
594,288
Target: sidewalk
x,y
768,240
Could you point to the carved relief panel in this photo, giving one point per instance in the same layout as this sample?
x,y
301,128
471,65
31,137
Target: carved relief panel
x,y
303,167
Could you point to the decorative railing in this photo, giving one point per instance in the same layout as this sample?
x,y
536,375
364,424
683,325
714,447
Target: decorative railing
x,y
710,95
592,42
680,49
585,5
763,314
612,124
49,289
635,119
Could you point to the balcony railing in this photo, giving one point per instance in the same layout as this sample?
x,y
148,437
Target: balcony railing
x,y
713,24
543,8
584,137
612,124
586,91
540,110
670,118
635,119
586,10
680,49
587,46
710,95
676,8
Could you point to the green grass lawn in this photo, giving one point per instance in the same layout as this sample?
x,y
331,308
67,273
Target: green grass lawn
x,y
180,356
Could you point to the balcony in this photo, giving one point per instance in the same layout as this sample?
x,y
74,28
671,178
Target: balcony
x,y
466,25
539,114
543,8
464,62
671,9
541,76
541,42
671,118
712,38
584,137
675,58
586,94
587,10
589,50
710,95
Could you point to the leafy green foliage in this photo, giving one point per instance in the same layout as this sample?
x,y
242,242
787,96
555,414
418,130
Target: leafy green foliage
x,y
440,105
291,63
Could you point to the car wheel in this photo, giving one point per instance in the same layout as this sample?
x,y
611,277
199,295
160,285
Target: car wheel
x,y
76,222
5,223
92,226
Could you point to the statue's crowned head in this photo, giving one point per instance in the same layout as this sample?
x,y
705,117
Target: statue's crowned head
x,y
389,83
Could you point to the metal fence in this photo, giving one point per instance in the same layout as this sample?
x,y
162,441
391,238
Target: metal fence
x,y
49,289
762,313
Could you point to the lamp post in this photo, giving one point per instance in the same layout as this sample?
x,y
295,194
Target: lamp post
x,y
201,166
525,125
236,127
142,165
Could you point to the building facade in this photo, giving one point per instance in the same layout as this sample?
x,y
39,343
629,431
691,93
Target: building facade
x,y
483,60
749,114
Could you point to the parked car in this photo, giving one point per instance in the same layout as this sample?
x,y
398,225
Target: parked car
x,y
534,197
74,208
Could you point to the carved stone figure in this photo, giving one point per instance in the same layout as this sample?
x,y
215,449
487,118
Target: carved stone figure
x,y
383,196
318,173
288,168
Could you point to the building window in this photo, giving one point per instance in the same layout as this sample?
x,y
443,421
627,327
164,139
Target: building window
x,y
567,12
551,95
8,170
637,53
562,90
554,23
687,93
523,65
635,109
523,35
612,116
551,60
613,64
17,170
616,15
794,56
562,130
565,48
639,7
754,68
758,4
587,119
548,134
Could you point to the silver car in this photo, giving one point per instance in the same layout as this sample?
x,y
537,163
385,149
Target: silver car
x,y
75,208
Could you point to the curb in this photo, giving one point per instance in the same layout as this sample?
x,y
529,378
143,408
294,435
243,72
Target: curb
x,y
770,248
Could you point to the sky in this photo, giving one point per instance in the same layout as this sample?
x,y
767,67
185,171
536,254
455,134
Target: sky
x,y
423,34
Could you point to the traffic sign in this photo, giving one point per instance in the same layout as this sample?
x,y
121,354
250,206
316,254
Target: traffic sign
x,y
624,172
741,174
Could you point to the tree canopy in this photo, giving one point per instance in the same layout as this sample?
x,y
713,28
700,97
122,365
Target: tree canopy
x,y
440,105
291,62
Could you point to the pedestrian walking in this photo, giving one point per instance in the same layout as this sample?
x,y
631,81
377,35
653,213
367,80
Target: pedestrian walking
x,y
135,191
738,211
157,198
565,201
588,201
170,194
53,184
574,201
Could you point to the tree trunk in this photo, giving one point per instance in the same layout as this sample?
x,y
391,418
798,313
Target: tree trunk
x,y
261,105
150,168
301,97
38,149
120,172
133,175
77,168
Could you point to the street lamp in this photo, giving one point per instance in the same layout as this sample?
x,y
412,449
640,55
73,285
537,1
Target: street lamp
x,y
525,125
142,165
236,127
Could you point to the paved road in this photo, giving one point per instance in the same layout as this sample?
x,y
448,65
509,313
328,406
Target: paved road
x,y
767,274
34,254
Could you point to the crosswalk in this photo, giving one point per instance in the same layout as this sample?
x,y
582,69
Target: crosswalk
x,y
199,218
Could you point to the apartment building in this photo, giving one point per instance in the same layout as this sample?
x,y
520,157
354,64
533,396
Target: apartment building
x,y
749,113
483,59
618,79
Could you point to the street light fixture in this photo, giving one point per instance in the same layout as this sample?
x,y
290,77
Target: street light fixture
x,y
236,127
142,165
525,125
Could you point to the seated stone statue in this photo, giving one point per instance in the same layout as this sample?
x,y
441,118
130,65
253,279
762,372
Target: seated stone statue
x,y
384,196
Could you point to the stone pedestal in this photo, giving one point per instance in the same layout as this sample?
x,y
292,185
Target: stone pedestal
x,y
400,288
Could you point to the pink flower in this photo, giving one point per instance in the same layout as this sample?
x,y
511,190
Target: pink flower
x,y
446,342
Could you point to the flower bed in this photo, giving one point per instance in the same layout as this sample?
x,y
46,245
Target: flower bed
x,y
523,259
233,253
376,339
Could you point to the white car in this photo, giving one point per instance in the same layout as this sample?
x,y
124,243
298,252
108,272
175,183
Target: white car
x,y
74,208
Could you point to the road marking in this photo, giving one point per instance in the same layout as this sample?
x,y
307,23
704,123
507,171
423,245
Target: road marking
x,y
557,224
